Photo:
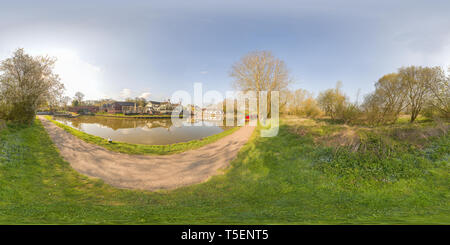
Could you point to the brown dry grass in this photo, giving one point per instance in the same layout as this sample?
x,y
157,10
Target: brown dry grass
x,y
347,137
419,136
355,137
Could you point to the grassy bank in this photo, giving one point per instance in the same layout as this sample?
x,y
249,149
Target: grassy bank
x,y
144,149
294,178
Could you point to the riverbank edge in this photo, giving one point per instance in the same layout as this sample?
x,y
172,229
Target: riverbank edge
x,y
140,149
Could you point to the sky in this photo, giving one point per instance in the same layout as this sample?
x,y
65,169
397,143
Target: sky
x,y
119,49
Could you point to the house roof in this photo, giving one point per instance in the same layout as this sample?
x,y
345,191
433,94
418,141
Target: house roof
x,y
155,102
123,103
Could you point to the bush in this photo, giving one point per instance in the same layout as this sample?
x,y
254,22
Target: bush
x,y
350,113
332,101
310,108
434,112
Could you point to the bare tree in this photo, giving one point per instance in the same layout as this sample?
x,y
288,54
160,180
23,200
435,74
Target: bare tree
x,y
25,83
79,98
298,98
285,101
392,90
387,101
260,71
417,82
440,92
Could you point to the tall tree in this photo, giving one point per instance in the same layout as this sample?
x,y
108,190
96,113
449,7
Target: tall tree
x,y
25,83
391,94
79,98
440,92
260,71
416,81
140,101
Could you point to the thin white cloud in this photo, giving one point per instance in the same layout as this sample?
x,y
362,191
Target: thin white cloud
x,y
125,93
145,95
204,72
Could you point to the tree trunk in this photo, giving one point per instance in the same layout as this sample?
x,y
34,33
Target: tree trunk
x,y
413,116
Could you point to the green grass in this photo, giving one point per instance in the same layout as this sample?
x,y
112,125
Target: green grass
x,y
138,149
273,181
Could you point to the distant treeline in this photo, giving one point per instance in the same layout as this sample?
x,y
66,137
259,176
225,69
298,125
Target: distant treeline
x,y
413,90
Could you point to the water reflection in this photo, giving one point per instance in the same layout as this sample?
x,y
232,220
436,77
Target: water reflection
x,y
144,131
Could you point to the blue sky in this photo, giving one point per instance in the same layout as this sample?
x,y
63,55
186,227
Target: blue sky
x,y
117,49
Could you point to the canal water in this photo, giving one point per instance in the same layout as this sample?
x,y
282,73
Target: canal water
x,y
143,131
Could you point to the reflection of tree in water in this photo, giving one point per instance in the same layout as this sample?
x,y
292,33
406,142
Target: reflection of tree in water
x,y
119,123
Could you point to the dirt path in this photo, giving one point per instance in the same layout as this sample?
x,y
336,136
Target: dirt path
x,y
149,172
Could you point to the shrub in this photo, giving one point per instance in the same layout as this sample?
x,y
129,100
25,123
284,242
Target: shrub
x,y
310,108
25,83
350,113
332,101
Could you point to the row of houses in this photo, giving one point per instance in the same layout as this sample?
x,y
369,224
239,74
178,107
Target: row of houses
x,y
127,108
152,107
